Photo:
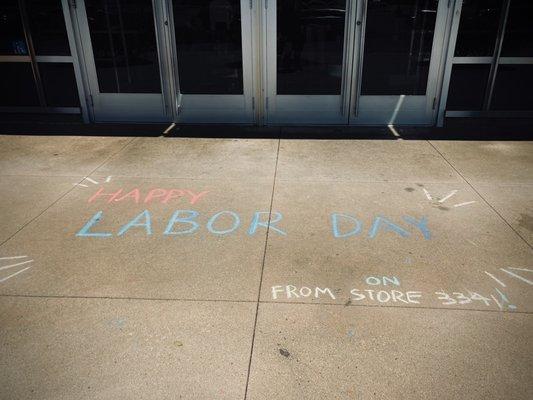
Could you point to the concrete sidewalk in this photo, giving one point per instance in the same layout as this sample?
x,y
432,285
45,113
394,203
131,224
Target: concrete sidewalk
x,y
174,268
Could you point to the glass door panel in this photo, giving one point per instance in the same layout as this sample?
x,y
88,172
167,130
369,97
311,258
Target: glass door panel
x,y
398,41
209,46
310,48
120,46
213,53
478,28
518,38
47,25
124,46
400,61
305,61
513,81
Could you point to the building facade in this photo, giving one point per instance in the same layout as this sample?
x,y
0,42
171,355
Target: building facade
x,y
268,62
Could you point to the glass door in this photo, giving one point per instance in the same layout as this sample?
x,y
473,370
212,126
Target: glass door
x,y
119,44
307,61
397,70
213,60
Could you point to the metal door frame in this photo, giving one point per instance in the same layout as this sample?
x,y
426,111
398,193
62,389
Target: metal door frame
x,y
224,108
369,109
117,107
308,109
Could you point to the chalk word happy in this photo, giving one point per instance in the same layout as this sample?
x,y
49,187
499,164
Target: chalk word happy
x,y
186,222
163,196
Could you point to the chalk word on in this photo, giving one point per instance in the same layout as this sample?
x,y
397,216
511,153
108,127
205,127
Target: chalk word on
x,y
136,196
292,292
379,224
185,222
382,280
386,296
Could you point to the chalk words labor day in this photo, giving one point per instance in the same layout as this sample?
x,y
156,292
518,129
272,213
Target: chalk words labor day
x,y
189,221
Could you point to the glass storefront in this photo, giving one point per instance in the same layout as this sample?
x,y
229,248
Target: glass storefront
x,y
334,62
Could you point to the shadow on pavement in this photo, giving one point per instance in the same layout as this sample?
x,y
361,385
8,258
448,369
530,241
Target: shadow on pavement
x,y
454,129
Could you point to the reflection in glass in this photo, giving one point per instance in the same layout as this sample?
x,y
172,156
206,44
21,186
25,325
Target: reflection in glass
x,y
513,88
478,28
17,86
310,46
59,83
518,39
47,25
209,46
468,84
124,45
12,41
398,42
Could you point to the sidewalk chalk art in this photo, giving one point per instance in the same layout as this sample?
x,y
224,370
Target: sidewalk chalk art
x,y
190,221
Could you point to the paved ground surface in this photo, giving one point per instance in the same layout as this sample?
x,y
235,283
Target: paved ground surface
x,y
173,268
